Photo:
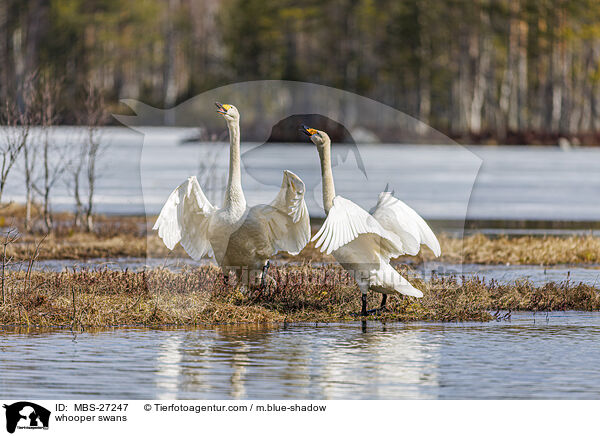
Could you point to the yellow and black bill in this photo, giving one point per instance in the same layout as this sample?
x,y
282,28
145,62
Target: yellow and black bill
x,y
222,108
307,130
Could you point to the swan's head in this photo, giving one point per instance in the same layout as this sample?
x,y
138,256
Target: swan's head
x,y
229,112
318,137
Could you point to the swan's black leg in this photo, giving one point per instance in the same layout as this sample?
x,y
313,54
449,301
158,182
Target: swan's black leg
x,y
383,301
263,277
363,311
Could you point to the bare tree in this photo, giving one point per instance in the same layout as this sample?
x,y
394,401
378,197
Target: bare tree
x,y
73,181
53,155
30,152
15,133
484,51
30,146
94,116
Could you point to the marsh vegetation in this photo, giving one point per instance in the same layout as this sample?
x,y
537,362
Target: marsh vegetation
x,y
310,288
301,293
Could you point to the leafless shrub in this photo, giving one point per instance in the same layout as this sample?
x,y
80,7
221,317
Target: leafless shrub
x,y
10,236
16,125
72,177
94,116
53,154
33,257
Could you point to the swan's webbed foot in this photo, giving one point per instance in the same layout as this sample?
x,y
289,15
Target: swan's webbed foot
x,y
381,309
377,311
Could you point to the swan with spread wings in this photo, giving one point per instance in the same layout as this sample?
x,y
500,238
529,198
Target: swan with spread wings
x,y
365,242
235,235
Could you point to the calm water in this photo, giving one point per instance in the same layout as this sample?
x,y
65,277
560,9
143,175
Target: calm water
x,y
532,356
138,171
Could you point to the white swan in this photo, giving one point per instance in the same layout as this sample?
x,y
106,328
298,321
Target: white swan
x,y
363,242
237,236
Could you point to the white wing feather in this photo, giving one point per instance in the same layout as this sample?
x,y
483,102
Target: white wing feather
x,y
288,219
185,218
346,221
397,217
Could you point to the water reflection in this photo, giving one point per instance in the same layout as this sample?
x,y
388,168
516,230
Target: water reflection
x,y
531,357
346,361
168,368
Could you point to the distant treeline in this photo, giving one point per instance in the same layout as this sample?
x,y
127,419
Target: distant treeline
x,y
501,70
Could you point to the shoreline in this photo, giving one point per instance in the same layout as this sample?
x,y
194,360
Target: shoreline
x,y
505,316
211,133
117,236
475,249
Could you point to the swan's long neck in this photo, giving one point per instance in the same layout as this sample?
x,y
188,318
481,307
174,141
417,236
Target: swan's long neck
x,y
327,176
234,196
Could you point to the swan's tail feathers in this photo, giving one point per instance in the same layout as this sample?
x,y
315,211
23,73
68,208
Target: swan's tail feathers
x,y
388,280
408,289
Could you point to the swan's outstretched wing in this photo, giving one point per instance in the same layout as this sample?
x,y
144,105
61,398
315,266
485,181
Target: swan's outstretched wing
x,y
286,218
347,221
397,217
185,218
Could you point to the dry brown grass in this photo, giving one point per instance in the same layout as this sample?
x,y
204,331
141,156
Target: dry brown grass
x,y
524,250
299,294
546,250
481,249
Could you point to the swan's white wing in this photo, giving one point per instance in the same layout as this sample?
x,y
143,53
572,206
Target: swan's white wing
x,y
346,221
287,218
185,218
397,217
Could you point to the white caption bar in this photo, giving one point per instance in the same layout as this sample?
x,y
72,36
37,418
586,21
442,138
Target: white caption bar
x,y
277,417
